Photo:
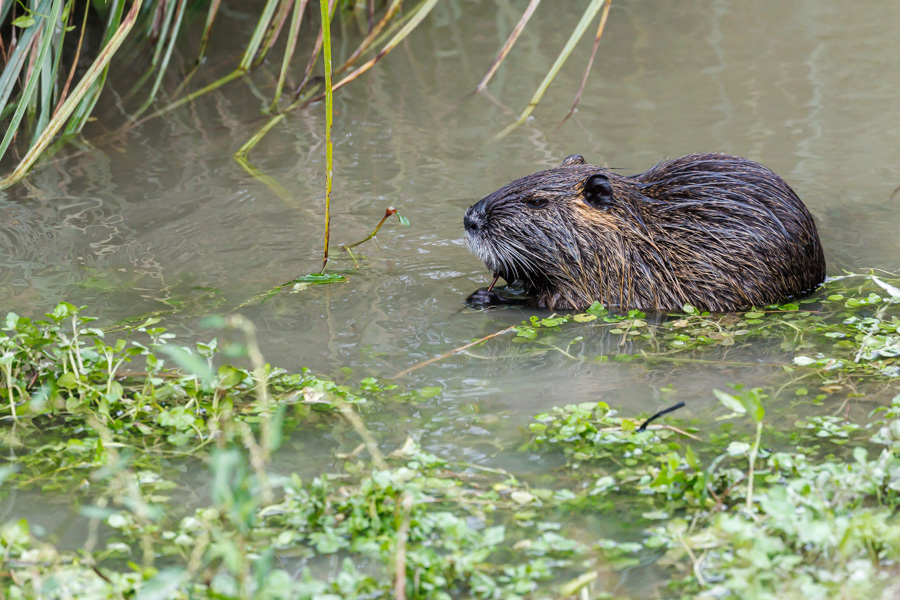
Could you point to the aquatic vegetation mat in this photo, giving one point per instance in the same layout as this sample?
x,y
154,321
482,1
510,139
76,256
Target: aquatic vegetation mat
x,y
192,478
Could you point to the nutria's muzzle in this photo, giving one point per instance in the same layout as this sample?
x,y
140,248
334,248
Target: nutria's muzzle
x,y
473,221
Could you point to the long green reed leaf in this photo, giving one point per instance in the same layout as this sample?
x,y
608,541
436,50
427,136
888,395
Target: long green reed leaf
x,y
414,18
421,12
5,5
313,57
293,34
329,114
13,67
85,107
65,89
258,34
204,42
210,18
243,67
48,20
45,95
65,111
586,19
68,16
389,14
273,31
176,28
167,9
170,8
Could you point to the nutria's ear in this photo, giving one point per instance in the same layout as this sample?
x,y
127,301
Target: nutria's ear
x,y
575,159
598,191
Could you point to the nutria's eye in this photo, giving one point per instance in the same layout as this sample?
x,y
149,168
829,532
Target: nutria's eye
x,y
575,159
536,201
598,191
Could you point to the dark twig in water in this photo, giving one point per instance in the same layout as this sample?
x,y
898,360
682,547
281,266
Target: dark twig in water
x,y
387,213
659,414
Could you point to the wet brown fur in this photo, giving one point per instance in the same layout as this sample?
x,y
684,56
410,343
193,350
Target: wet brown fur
x,y
716,231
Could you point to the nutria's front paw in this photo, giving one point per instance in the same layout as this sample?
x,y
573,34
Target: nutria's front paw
x,y
485,298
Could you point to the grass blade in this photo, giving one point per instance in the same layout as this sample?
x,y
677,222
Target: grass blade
x,y
68,107
389,14
421,12
586,19
43,29
296,20
204,42
258,34
242,68
210,17
13,67
176,28
313,57
83,110
329,110
45,96
516,32
170,8
273,31
65,89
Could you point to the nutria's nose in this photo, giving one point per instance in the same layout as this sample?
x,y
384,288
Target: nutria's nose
x,y
472,221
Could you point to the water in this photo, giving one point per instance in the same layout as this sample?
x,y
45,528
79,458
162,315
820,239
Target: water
x,y
163,219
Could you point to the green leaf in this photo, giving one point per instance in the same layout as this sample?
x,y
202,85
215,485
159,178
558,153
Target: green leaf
x,y
756,408
230,376
63,310
192,363
6,471
403,220
163,585
430,391
691,459
320,278
737,448
67,381
25,21
730,402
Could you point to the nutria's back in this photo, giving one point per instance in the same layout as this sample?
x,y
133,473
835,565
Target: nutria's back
x,y
715,231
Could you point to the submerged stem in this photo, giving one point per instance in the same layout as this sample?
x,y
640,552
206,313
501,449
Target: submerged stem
x,y
387,213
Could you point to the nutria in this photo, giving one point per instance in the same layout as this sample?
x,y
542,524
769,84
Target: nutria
x,y
718,232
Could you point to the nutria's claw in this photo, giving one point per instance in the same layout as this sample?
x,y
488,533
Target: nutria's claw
x,y
485,298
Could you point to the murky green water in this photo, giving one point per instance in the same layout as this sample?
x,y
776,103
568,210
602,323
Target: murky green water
x,y
165,220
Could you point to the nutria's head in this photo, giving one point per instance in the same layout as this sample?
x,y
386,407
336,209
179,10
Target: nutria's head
x,y
519,229
715,231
